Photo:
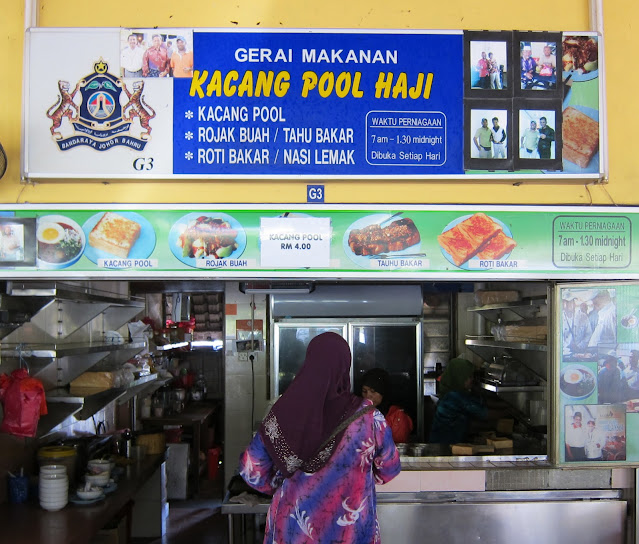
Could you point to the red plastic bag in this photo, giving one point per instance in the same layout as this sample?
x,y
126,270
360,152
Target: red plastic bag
x,y
23,402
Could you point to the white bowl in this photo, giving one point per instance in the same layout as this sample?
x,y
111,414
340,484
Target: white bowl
x,y
93,493
54,506
97,479
46,251
53,484
96,466
53,469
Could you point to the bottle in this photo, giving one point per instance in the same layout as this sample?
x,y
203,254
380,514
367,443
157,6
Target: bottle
x,y
126,444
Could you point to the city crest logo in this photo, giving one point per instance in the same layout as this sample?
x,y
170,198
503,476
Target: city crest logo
x,y
96,116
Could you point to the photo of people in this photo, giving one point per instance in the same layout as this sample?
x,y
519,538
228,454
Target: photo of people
x,y
488,134
156,53
536,134
595,432
489,65
618,377
589,323
538,65
11,242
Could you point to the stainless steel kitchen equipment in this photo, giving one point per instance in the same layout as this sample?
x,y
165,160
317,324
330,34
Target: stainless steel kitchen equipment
x,y
381,325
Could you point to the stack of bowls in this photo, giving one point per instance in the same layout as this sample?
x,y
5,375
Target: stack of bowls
x,y
98,472
53,487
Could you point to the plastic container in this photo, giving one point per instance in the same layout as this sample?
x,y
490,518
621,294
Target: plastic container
x,y
60,455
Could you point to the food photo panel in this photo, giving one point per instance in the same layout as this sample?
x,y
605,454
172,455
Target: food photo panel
x,y
488,64
537,130
487,138
536,55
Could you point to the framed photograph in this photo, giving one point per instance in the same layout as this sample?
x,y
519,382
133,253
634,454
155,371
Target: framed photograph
x,y
487,139
538,133
488,64
595,433
537,54
17,241
156,53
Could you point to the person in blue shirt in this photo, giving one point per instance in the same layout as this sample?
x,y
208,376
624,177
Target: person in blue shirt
x,y
457,405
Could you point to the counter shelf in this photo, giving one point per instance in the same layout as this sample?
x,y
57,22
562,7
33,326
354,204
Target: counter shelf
x,y
28,523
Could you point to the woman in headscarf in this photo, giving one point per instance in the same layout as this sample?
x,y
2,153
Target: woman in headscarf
x,y
319,452
456,404
376,387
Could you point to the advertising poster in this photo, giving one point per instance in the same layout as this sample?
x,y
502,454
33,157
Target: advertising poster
x,y
598,373
465,242
195,103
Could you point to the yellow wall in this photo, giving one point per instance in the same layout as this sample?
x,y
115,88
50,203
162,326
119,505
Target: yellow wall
x,y
622,87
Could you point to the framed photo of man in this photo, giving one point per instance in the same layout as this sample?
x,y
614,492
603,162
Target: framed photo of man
x,y
487,138
17,241
537,54
538,134
487,64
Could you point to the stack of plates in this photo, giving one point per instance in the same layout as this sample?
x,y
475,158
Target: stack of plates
x,y
53,487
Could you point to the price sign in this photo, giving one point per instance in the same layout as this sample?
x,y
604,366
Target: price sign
x,y
295,242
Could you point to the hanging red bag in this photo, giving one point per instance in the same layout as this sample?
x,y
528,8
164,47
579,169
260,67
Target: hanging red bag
x,y
23,402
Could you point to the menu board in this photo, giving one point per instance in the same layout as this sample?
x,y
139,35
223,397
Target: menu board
x,y
597,374
186,103
328,241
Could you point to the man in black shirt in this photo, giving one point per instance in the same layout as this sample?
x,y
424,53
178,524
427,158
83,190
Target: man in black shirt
x,y
546,138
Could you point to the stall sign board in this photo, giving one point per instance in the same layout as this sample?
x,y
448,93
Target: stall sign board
x,y
229,104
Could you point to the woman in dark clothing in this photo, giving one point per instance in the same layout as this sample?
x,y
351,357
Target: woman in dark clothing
x,y
457,405
376,387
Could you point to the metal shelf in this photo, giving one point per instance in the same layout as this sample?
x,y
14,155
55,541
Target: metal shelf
x,y
526,308
510,388
57,351
70,292
489,342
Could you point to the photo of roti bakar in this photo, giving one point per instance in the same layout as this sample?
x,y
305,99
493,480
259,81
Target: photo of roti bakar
x,y
114,234
475,236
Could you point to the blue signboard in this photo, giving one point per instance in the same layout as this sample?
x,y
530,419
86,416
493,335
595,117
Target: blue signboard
x,y
325,104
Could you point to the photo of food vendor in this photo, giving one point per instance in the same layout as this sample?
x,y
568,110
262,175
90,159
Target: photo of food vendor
x,y
595,432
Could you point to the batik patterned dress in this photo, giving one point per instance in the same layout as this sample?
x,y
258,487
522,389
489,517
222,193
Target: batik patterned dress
x,y
337,503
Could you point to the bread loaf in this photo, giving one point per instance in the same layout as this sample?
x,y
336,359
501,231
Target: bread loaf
x,y
114,234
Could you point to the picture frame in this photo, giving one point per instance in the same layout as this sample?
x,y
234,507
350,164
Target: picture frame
x,y
17,241
491,51
496,115
537,58
538,148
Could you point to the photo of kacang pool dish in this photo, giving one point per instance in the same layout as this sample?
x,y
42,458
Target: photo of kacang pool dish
x,y
577,382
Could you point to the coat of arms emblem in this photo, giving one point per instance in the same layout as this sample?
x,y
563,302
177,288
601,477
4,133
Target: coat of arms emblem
x,y
96,115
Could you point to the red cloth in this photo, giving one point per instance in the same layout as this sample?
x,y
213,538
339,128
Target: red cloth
x,y
313,406
23,402
400,423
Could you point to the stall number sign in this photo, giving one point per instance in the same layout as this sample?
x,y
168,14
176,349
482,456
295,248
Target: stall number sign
x,y
295,242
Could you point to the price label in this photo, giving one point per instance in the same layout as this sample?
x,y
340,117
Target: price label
x,y
295,242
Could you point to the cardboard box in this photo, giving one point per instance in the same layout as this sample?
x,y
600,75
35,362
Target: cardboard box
x,y
500,443
482,297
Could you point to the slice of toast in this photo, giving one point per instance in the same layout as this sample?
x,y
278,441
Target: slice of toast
x,y
580,136
497,247
114,234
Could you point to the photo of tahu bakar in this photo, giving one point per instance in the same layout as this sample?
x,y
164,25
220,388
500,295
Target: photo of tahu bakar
x,y
476,236
375,239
